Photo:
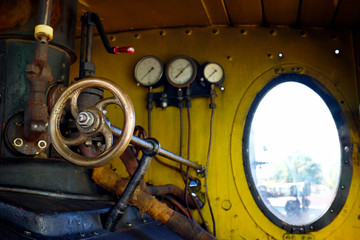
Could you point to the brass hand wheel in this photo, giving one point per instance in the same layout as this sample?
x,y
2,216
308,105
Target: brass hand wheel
x,y
91,122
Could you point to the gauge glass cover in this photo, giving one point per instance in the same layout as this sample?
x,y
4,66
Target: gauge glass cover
x,y
213,73
181,71
148,71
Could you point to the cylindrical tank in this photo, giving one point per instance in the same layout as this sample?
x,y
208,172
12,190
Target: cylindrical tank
x,y
18,19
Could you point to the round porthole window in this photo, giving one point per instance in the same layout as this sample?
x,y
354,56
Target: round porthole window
x,y
297,156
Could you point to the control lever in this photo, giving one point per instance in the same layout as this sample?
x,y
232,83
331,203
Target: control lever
x,y
89,20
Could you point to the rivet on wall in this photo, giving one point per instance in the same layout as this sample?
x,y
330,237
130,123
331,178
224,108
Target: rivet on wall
x,y
303,34
112,38
215,31
273,32
226,205
188,32
243,31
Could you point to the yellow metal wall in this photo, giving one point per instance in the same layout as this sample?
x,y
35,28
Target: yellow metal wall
x,y
249,57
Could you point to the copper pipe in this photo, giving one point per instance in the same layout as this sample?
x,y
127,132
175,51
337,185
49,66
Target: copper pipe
x,y
170,189
131,164
178,205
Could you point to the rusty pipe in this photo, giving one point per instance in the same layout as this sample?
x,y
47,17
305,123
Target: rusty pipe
x,y
170,189
36,116
178,205
131,164
186,228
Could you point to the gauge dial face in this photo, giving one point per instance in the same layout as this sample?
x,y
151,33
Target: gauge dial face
x,y
148,71
181,71
213,73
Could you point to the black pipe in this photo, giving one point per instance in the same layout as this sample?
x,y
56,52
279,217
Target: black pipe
x,y
94,17
90,31
119,209
45,12
82,46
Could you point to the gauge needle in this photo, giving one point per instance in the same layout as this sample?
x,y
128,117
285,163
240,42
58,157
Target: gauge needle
x,y
182,70
212,73
152,68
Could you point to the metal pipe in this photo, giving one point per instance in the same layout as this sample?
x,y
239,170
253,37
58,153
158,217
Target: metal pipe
x,y
119,209
89,36
82,47
57,195
162,152
45,12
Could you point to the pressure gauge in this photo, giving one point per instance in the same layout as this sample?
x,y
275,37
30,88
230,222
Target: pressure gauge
x,y
181,71
148,71
213,73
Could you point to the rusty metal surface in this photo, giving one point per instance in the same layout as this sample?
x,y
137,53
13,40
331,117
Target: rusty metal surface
x,y
36,116
187,229
131,164
14,137
172,190
33,127
16,54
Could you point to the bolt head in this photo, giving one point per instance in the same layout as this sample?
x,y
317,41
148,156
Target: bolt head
x,y
85,119
82,117
18,142
42,144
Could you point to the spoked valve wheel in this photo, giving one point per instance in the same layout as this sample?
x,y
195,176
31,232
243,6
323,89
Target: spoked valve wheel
x,y
92,122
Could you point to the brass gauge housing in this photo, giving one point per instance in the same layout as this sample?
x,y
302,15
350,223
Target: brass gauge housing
x,y
181,71
213,73
149,71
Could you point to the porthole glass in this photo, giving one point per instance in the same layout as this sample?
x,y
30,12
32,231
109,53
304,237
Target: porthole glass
x,y
293,153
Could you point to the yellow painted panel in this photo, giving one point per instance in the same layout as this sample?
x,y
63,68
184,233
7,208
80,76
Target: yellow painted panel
x,y
249,57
